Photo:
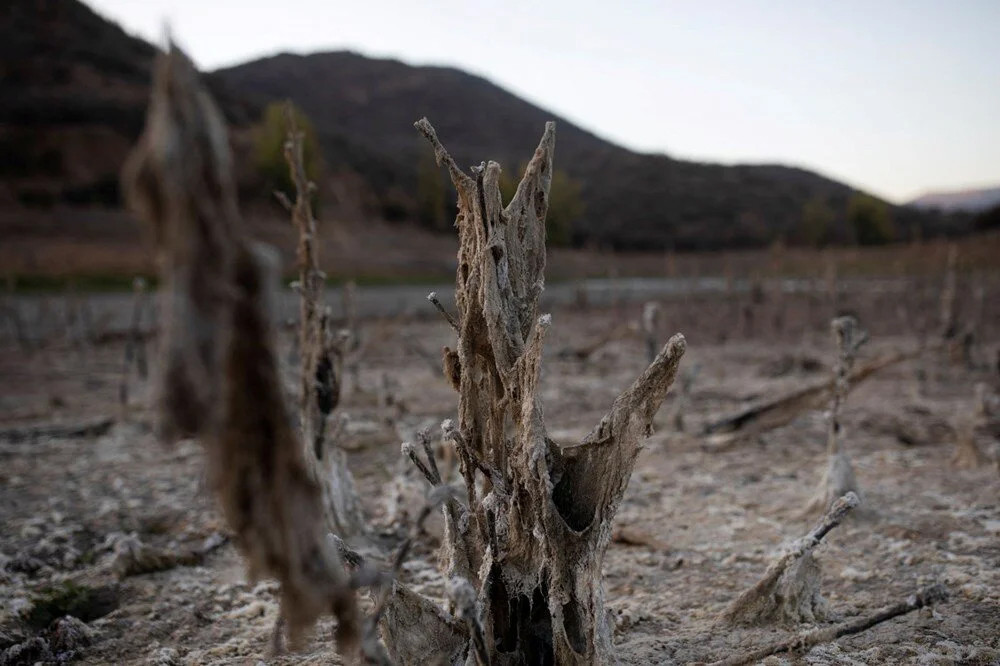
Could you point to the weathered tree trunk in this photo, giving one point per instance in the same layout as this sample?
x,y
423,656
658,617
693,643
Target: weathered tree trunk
x,y
541,512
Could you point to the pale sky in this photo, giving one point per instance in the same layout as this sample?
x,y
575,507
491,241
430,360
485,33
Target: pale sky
x,y
894,97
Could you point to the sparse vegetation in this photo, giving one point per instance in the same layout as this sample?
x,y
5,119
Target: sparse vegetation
x,y
432,195
565,209
270,136
870,220
816,226
517,535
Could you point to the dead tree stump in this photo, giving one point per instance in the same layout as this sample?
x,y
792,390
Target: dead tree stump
x,y
540,512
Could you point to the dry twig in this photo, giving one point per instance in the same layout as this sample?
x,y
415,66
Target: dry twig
x,y
802,643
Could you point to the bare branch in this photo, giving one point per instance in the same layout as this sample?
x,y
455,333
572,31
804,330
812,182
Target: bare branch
x,y
779,411
802,643
432,297
789,590
463,183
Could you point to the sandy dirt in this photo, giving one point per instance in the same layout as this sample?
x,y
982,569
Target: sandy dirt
x,y
699,523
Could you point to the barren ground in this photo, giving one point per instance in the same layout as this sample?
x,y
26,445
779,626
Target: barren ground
x,y
698,523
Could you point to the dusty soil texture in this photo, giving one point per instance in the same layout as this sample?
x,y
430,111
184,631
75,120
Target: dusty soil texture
x,y
699,523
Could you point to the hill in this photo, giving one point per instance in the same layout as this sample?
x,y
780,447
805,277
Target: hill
x,y
970,201
364,108
73,89
73,94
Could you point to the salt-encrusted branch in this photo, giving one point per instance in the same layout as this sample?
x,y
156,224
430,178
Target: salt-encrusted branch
x,y
412,626
839,479
433,298
774,413
469,463
652,312
802,643
631,416
463,597
463,183
457,536
321,356
220,380
789,589
849,339
394,601
432,477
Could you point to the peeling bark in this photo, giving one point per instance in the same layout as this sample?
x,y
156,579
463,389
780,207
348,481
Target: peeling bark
x,y
540,513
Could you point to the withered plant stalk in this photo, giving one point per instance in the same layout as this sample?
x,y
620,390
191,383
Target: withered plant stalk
x,y
838,479
321,355
220,378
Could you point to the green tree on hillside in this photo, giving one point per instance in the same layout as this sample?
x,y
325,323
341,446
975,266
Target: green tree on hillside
x,y
432,194
871,220
816,223
269,149
565,204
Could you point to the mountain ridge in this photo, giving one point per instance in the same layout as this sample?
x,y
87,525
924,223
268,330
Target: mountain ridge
x,y
972,199
75,85
631,200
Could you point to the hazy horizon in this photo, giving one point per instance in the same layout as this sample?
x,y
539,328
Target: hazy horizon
x,y
897,98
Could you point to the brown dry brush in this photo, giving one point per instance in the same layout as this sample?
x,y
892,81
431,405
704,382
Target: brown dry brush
x,y
532,537
220,379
